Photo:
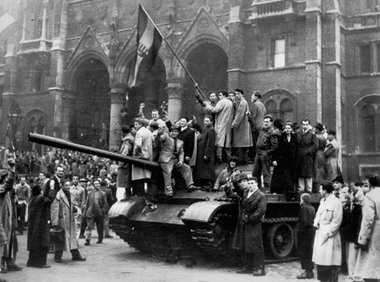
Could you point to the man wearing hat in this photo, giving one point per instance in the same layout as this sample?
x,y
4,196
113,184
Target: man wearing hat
x,y
171,156
248,235
241,141
368,260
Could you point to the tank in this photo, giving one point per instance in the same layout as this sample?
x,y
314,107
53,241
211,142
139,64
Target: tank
x,y
189,224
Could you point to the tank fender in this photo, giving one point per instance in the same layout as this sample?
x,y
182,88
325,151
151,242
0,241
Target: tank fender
x,y
127,208
204,211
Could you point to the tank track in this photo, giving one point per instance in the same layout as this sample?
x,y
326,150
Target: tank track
x,y
166,242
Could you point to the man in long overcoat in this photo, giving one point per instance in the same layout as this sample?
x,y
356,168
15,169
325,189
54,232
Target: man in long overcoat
x,y
248,237
62,216
368,260
307,146
224,110
38,228
241,129
204,169
257,112
8,221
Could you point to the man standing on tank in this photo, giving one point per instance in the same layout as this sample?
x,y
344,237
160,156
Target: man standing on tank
x,y
267,144
248,237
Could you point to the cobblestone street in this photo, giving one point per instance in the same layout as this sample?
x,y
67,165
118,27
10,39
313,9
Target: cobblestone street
x,y
114,260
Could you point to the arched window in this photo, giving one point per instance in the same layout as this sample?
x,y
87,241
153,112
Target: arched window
x,y
271,108
287,110
367,114
280,104
368,120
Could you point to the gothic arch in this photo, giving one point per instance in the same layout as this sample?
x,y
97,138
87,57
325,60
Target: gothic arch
x,y
189,46
72,68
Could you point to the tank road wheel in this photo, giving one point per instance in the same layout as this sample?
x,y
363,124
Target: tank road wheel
x,y
281,240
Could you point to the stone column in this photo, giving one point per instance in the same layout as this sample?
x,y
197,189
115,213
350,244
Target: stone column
x,y
236,50
310,102
117,104
175,98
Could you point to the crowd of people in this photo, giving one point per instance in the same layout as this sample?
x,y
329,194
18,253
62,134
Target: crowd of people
x,y
74,191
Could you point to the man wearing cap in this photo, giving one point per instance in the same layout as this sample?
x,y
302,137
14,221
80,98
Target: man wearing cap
x,y
368,260
241,141
338,185
248,234
171,157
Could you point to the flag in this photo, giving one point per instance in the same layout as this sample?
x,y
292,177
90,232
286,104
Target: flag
x,y
148,44
5,21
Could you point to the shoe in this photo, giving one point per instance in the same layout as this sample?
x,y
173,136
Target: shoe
x,y
99,242
259,271
58,260
14,267
42,266
87,243
81,237
79,258
244,271
306,275
108,236
192,188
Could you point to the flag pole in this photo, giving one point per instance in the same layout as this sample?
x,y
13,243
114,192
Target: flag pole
x,y
174,53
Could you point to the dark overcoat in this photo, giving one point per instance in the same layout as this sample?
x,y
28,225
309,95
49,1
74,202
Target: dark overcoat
x,y
248,235
307,146
206,147
284,174
38,226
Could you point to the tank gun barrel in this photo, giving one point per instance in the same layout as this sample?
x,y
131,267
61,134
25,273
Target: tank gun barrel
x,y
63,144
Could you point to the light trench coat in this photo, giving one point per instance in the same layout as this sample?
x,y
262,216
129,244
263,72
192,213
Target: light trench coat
x,y
62,215
368,262
327,245
143,150
224,111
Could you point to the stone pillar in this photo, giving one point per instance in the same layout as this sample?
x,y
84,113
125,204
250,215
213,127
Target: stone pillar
x,y
332,92
117,104
310,102
175,98
236,55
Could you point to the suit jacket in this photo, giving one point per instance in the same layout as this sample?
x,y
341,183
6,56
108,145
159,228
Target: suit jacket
x,y
187,136
167,149
96,203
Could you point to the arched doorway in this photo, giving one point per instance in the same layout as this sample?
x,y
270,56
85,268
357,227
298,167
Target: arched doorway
x,y
208,64
90,122
35,121
152,92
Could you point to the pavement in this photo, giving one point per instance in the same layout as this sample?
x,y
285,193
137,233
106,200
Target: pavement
x,y
114,260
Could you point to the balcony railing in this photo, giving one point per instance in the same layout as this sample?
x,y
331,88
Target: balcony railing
x,y
271,8
34,45
367,20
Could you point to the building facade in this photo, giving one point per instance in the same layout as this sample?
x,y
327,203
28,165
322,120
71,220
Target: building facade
x,y
65,66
